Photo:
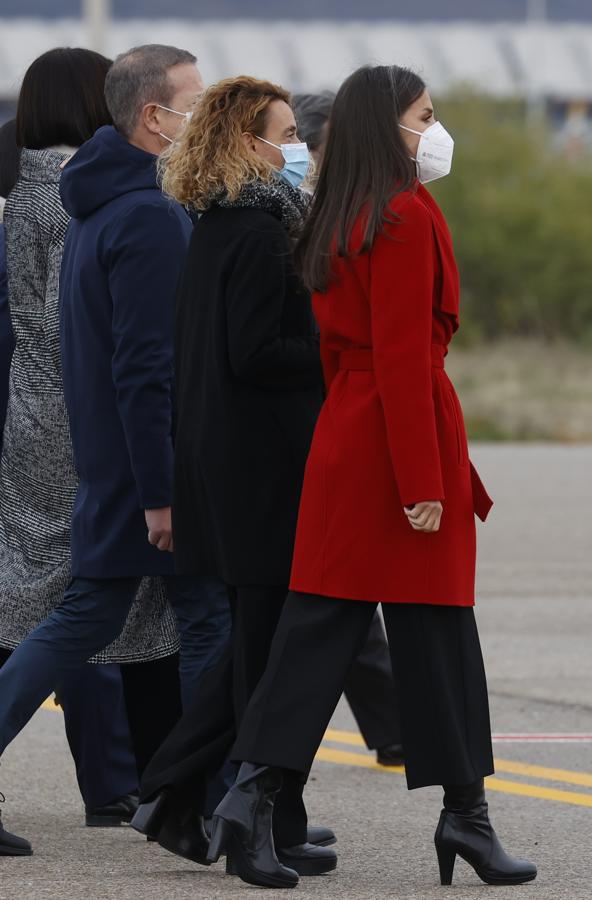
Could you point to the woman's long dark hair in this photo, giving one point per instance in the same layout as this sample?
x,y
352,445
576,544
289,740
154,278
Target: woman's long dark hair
x,y
366,163
62,99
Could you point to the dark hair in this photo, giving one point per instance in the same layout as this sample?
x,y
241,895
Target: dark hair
x,y
141,76
366,164
62,99
9,157
312,112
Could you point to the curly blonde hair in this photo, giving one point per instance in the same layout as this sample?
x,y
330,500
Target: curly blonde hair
x,y
211,157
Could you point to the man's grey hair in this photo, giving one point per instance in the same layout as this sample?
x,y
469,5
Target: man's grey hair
x,y
138,77
311,112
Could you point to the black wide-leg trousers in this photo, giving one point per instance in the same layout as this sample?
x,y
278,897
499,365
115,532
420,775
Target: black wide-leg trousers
x,y
370,690
189,760
438,671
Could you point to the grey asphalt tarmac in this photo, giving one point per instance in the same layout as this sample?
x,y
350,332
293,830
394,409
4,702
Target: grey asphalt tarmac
x,y
535,616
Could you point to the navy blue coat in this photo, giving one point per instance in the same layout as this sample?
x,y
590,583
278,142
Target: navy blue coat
x,y
6,338
124,251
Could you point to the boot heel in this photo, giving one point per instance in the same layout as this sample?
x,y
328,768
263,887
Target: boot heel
x,y
149,816
221,834
231,868
446,860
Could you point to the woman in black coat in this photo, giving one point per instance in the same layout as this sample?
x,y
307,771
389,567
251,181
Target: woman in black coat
x,y
249,390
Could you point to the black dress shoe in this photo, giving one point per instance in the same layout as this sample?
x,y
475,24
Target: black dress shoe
x,y
465,830
320,835
113,814
306,859
11,844
242,827
390,756
175,826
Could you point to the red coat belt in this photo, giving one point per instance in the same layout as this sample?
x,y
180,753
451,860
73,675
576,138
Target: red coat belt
x,y
362,361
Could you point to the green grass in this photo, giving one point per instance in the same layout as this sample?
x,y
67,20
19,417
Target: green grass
x,y
524,390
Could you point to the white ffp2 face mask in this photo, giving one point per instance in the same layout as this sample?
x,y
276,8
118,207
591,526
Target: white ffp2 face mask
x,y
434,152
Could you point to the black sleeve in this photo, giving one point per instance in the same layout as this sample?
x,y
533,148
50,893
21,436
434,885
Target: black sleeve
x,y
255,295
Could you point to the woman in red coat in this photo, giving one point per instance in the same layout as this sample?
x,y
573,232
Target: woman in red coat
x,y
387,513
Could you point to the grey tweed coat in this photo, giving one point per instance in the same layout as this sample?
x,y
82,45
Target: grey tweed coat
x,y
37,476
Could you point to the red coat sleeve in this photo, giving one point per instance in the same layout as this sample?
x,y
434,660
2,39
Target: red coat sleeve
x,y
401,291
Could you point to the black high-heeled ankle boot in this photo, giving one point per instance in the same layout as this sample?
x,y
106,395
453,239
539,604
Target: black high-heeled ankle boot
x,y
242,827
176,827
464,829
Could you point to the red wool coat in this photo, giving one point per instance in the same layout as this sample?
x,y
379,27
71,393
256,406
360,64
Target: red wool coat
x,y
391,431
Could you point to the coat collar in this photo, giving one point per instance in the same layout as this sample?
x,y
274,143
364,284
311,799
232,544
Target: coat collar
x,y
450,293
281,200
42,166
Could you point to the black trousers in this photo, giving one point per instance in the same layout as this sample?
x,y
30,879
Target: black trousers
x,y
439,674
199,745
370,690
152,692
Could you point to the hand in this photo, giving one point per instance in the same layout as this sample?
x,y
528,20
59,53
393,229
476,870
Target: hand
x,y
160,528
425,516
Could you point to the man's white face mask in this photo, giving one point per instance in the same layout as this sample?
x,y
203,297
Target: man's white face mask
x,y
186,116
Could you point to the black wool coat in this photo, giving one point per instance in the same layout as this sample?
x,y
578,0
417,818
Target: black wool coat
x,y
249,390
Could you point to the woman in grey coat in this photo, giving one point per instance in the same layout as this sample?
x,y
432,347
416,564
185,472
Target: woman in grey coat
x,y
37,477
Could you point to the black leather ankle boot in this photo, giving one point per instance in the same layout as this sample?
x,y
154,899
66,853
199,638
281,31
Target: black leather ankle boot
x,y
177,827
242,828
464,829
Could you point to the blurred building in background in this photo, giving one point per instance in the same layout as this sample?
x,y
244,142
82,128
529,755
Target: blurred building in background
x,y
513,81
536,50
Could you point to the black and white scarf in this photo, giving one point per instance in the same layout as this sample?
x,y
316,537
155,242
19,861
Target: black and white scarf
x,y
286,203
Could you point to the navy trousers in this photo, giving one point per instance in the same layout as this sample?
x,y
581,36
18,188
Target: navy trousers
x,y
97,730
91,615
98,734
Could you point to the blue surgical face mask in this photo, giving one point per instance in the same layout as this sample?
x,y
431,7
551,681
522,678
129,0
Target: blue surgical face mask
x,y
296,161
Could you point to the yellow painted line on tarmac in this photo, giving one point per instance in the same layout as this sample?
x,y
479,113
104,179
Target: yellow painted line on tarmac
x,y
584,779
345,737
363,760
534,790
567,776
49,704
367,761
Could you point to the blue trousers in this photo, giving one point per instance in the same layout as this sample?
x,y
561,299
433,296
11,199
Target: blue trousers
x,y
96,723
95,719
91,615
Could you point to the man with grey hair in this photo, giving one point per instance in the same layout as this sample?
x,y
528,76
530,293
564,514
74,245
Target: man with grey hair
x,y
150,92
123,254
